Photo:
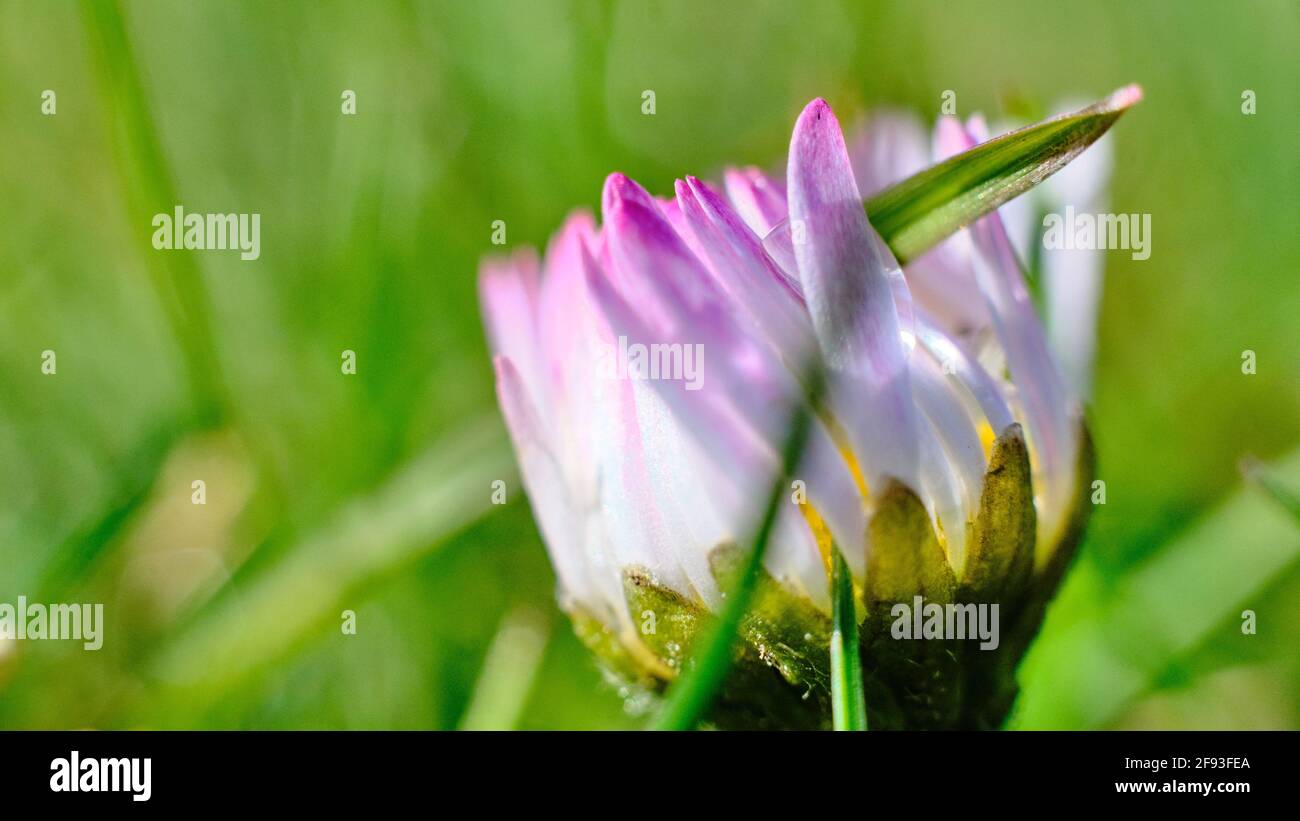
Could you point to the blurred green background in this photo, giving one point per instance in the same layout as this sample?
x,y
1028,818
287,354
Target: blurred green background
x,y
371,492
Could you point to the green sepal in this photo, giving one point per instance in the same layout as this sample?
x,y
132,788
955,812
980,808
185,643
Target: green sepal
x,y
787,631
905,557
1048,578
1000,549
664,621
909,684
780,675
636,680
992,683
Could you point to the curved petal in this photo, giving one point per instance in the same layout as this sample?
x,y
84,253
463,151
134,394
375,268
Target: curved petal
x,y
597,426
1071,277
780,247
754,282
565,321
744,405
941,405
691,310
759,199
849,297
1049,417
584,577
673,213
508,292
1038,384
943,281
889,147
972,375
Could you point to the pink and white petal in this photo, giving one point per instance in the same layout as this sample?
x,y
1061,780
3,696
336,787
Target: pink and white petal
x,y
942,492
673,213
779,244
688,491
641,531
850,300
597,420
904,305
941,402
834,493
563,525
1072,278
622,188
952,418
1048,417
732,231
758,198
943,282
795,560
977,128
943,279
950,354
888,147
707,412
573,337
690,309
565,315
773,308
741,411
739,462
950,138
717,501
1072,285
509,293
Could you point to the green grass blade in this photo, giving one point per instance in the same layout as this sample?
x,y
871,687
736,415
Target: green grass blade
x,y
915,214
1258,473
413,513
848,704
509,670
71,561
1108,641
691,695
147,182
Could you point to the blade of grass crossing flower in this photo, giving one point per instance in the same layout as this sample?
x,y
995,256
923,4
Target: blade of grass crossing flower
x,y
690,696
848,704
915,214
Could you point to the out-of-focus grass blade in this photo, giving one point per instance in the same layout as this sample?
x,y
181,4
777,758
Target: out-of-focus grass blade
x,y
148,183
915,214
1260,474
509,670
692,693
440,492
71,560
848,704
1106,643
